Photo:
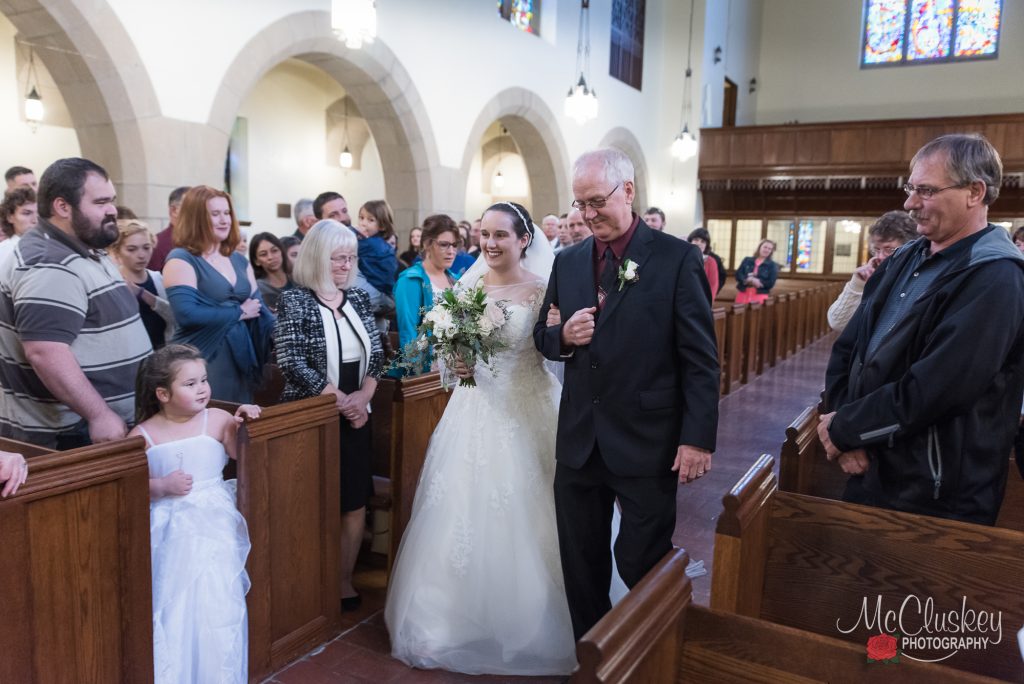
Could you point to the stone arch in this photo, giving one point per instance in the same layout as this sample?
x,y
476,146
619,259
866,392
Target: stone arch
x,y
535,130
375,80
102,79
623,139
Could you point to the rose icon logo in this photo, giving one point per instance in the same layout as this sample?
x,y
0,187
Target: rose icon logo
x,y
882,648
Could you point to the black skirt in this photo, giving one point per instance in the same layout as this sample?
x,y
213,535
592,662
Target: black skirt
x,y
356,449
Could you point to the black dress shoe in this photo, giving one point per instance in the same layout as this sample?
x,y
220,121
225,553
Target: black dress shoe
x,y
351,603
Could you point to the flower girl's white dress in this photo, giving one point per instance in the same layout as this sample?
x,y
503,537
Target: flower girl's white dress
x,y
477,586
199,544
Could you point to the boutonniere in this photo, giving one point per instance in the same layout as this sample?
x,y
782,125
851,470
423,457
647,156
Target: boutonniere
x,y
628,273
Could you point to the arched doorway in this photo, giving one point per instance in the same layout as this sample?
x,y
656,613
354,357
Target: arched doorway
x,y
372,77
535,141
92,60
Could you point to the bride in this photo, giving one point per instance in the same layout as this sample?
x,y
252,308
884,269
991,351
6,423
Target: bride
x,y
477,585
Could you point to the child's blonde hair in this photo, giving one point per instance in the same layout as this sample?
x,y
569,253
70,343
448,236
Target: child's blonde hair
x,y
158,370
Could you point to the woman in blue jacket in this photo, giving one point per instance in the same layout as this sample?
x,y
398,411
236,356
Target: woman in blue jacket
x,y
419,285
756,275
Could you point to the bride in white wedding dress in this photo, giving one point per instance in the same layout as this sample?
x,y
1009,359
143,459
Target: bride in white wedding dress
x,y
477,586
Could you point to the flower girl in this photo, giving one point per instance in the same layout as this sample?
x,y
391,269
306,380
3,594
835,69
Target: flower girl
x,y
199,541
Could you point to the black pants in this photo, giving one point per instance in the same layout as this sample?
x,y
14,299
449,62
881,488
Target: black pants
x,y
583,509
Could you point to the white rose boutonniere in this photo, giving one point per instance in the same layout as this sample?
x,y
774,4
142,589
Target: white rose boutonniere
x,y
628,273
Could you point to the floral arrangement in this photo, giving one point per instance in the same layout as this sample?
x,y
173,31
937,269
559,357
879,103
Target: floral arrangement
x,y
461,325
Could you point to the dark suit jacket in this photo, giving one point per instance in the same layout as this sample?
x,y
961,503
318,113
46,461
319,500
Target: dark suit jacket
x,y
648,382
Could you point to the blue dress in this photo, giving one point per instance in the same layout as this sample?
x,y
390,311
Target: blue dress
x,y
208,318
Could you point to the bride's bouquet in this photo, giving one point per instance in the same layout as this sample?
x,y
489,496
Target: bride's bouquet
x,y
461,325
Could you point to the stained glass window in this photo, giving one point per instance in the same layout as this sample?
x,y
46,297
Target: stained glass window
x,y
523,14
920,31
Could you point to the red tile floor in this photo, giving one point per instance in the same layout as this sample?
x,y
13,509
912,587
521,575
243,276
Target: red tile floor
x,y
752,421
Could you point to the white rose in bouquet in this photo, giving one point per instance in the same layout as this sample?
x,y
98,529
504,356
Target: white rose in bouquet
x,y
495,314
444,324
485,325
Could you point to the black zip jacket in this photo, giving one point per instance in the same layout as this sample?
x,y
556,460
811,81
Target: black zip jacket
x,y
937,404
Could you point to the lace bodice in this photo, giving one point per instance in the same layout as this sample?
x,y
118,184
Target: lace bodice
x,y
519,368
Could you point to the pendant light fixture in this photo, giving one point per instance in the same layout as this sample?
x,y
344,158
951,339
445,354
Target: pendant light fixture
x,y
354,21
685,144
581,102
345,158
34,110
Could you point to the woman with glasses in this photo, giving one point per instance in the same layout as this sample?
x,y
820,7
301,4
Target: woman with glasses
x,y
327,343
886,235
419,285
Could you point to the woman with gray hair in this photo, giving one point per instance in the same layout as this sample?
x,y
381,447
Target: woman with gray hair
x,y
327,343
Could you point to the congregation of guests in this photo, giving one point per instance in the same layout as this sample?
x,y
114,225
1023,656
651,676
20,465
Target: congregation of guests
x,y
88,297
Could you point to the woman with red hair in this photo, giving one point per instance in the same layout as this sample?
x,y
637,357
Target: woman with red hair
x,y
214,297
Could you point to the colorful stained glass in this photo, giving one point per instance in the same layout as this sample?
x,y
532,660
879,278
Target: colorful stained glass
x,y
883,31
523,14
805,243
977,27
931,26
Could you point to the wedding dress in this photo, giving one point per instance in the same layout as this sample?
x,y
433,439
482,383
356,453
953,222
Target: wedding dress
x,y
477,585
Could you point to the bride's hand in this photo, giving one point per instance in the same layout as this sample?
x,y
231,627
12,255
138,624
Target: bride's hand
x,y
461,370
554,317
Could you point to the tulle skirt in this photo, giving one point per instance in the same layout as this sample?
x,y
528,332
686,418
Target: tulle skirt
x,y
477,586
199,546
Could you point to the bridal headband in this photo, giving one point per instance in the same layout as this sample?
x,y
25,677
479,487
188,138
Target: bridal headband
x,y
529,226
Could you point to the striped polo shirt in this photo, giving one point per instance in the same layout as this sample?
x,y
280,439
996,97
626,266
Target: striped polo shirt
x,y
53,288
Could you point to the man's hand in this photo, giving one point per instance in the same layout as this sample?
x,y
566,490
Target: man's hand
x,y
691,463
579,329
107,427
854,462
826,441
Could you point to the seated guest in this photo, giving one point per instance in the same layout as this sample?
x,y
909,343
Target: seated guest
x,y
700,238
376,257
327,343
77,341
756,275
271,267
291,246
18,214
578,228
886,235
214,295
419,284
13,472
133,249
410,255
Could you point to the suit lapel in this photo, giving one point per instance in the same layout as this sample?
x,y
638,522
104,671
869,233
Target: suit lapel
x,y
638,251
584,288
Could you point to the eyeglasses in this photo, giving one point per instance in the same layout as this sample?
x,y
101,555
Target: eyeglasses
x,y
344,259
926,191
446,245
883,251
581,205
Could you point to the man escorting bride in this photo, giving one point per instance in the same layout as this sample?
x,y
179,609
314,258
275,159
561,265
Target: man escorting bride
x,y
478,586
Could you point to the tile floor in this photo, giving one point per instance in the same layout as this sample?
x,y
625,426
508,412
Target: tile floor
x,y
752,421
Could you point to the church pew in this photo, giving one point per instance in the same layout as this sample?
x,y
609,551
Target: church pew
x,y
766,350
288,489
813,564
75,568
804,469
718,314
405,413
656,634
751,343
782,325
734,325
